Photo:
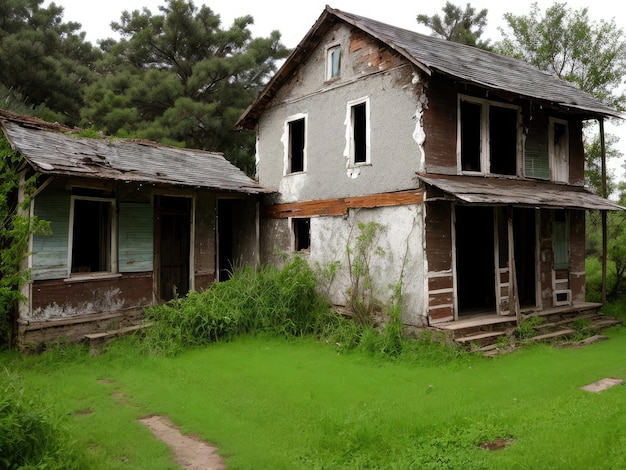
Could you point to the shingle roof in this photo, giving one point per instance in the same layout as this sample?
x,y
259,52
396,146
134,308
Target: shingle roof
x,y
525,193
437,56
52,149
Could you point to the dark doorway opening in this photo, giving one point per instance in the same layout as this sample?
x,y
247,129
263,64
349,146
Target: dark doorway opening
x,y
524,234
226,216
174,245
475,260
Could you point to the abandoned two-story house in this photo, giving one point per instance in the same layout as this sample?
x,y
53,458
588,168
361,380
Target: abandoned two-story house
x,y
133,223
472,163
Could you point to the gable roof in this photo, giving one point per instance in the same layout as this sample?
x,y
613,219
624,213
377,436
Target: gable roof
x,y
53,149
437,56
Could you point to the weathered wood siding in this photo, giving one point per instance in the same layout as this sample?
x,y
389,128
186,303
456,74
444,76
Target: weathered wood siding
x,y
439,246
59,298
204,241
50,253
136,237
440,127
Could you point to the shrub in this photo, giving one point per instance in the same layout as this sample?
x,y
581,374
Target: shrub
x,y
281,301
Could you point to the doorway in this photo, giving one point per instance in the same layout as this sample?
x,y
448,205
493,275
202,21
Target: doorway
x,y
475,268
173,226
525,244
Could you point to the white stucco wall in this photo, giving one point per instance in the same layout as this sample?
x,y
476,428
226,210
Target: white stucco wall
x,y
395,106
402,260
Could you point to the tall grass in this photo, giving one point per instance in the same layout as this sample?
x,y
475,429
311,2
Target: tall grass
x,y
31,435
270,300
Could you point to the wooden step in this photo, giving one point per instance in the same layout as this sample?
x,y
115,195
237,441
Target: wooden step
x,y
553,334
477,338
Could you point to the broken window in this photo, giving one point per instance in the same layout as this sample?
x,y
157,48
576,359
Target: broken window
x,y
301,233
296,151
91,235
358,132
333,59
536,154
559,150
488,137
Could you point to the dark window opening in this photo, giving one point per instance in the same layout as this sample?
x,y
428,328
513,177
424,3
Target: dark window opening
x,y
503,140
302,234
91,236
470,136
359,132
296,146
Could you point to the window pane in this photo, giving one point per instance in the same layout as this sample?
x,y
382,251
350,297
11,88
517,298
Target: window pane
x,y
334,62
470,136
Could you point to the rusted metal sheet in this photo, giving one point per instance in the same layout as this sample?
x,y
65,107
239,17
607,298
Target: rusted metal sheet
x,y
508,191
54,150
340,206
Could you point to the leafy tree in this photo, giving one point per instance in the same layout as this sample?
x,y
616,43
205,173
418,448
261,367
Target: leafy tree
x,y
45,62
465,27
177,77
567,44
590,55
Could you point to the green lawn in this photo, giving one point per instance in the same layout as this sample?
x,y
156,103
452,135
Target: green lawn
x,y
288,404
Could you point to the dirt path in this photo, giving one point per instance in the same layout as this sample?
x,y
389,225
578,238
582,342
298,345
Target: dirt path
x,y
190,453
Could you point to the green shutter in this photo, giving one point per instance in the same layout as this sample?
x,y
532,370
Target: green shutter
x,y
50,253
135,245
536,155
561,246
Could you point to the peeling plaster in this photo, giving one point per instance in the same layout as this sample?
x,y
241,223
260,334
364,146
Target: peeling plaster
x,y
419,136
110,301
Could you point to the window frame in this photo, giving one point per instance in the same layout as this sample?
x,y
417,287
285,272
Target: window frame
x,y
112,235
333,69
295,224
484,138
288,144
351,144
559,167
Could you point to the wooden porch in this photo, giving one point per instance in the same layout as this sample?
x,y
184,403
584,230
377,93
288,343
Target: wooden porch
x,y
484,330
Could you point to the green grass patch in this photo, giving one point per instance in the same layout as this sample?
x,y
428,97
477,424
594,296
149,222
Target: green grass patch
x,y
270,402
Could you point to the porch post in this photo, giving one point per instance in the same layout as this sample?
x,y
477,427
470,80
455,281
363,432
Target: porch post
x,y
513,297
603,213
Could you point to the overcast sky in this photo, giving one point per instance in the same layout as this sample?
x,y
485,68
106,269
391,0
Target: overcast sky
x,y
294,18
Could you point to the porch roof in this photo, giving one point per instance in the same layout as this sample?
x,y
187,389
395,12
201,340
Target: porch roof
x,y
57,150
515,192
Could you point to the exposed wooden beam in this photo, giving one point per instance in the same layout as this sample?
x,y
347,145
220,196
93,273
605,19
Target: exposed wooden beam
x,y
340,206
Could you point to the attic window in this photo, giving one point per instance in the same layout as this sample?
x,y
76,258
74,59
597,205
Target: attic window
x,y
333,62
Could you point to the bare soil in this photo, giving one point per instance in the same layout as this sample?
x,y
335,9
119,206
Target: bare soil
x,y
189,452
